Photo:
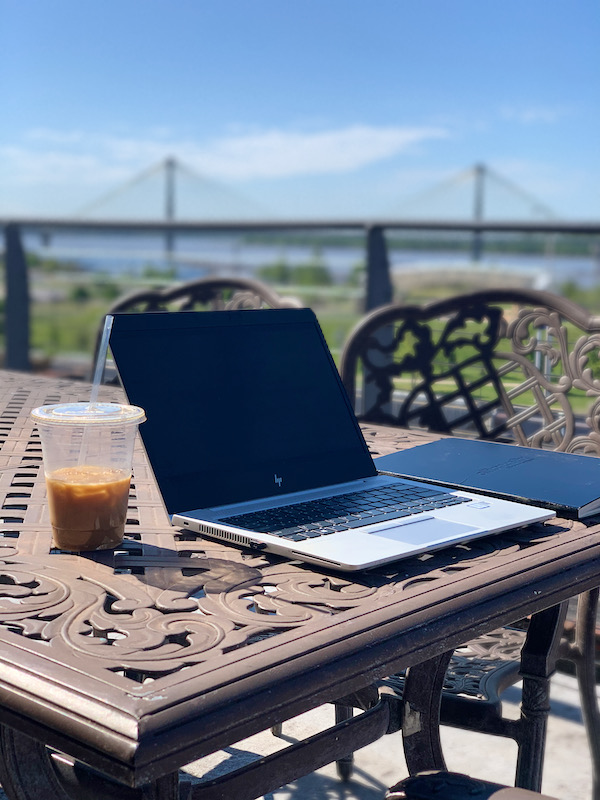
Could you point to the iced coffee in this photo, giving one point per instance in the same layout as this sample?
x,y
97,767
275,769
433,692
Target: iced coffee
x,y
88,453
88,506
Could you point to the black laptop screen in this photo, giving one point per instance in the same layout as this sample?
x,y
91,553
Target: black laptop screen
x,y
239,404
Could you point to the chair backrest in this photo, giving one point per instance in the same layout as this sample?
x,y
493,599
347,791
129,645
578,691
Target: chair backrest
x,y
204,294
456,786
518,365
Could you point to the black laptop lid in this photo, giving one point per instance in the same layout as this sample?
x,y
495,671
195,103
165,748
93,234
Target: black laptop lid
x,y
236,401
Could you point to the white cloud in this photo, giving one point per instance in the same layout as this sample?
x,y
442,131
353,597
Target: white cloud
x,y
23,166
62,157
278,154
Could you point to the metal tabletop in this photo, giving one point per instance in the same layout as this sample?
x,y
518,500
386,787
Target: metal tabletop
x,y
141,660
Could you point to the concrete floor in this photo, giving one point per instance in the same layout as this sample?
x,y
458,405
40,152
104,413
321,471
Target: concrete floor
x,y
567,771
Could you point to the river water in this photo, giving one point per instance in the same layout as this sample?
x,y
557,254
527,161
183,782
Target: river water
x,y
200,254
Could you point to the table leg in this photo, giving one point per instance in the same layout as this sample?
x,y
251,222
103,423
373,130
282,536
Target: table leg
x,y
25,768
582,651
538,663
421,714
31,771
344,765
422,696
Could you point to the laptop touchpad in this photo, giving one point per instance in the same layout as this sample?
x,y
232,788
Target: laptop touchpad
x,y
425,530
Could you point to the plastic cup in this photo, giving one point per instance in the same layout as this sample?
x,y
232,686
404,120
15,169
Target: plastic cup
x,y
88,453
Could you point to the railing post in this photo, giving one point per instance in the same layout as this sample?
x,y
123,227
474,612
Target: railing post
x,y
16,308
379,292
379,284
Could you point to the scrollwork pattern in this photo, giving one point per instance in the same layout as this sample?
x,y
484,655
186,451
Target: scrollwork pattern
x,y
526,331
477,365
193,610
579,360
126,625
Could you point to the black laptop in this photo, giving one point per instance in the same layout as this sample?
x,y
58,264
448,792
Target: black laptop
x,y
253,440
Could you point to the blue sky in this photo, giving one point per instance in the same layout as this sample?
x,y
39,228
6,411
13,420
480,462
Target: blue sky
x,y
313,108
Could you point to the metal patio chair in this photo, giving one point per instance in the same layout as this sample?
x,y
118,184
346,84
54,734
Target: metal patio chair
x,y
511,365
204,294
454,786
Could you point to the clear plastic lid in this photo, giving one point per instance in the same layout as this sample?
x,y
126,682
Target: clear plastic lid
x,y
88,413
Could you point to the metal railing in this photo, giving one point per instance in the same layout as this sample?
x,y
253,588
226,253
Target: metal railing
x,y
378,287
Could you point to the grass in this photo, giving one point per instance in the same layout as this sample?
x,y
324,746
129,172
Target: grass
x,y
472,373
66,322
65,326
580,402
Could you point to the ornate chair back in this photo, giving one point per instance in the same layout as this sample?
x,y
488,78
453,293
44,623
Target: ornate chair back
x,y
519,365
204,294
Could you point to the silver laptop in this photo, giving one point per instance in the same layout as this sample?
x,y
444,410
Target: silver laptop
x,y
253,440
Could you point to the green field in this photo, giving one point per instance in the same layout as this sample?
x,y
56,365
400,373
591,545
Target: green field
x,y
68,306
65,327
66,311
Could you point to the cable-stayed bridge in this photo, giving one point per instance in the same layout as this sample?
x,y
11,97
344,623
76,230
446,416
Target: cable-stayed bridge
x,y
162,215
478,192
172,190
178,204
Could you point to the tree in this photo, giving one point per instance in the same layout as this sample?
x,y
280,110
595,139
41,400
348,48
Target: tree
x,y
312,275
277,272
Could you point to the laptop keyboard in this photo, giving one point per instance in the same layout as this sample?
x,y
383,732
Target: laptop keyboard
x,y
314,518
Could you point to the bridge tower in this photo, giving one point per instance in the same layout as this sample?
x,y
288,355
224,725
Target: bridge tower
x,y
170,166
479,174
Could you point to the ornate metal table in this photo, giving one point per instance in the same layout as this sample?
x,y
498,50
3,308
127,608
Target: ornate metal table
x,y
139,661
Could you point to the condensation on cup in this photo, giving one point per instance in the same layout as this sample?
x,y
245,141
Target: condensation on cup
x,y
88,453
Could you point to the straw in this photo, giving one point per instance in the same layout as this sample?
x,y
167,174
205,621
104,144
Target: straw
x,y
101,359
98,373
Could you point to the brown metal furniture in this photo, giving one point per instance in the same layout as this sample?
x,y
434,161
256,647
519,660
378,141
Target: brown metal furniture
x,y
204,294
454,786
513,364
120,667
510,365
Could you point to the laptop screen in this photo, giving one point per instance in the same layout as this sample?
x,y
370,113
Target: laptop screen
x,y
239,404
